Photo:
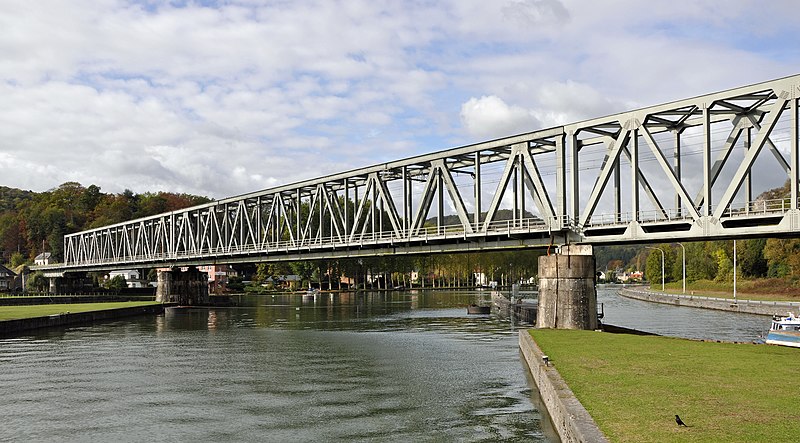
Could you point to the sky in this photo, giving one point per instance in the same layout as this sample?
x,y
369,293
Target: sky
x,y
229,97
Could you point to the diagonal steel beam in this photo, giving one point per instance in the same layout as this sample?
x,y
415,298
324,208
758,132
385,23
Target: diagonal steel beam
x,y
455,196
536,186
775,152
676,183
722,157
608,165
750,156
500,191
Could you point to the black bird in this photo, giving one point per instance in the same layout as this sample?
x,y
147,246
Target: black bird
x,y
679,421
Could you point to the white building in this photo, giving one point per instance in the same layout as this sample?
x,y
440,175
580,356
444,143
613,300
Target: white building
x,y
43,259
131,277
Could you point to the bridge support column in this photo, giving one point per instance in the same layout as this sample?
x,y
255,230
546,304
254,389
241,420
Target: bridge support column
x,y
567,297
53,285
189,288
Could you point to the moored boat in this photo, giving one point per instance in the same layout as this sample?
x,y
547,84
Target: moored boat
x,y
785,331
475,309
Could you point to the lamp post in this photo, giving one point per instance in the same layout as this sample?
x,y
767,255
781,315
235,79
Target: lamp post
x,y
734,272
662,265
683,259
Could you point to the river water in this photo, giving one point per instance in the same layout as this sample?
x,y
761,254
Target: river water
x,y
345,367
369,367
680,321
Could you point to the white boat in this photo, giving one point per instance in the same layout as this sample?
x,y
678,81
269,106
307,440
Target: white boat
x,y
785,331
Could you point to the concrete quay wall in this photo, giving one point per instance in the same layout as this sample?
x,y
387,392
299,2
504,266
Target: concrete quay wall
x,y
14,327
570,419
759,307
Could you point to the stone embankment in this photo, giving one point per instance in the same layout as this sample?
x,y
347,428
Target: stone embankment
x,y
13,327
570,419
760,307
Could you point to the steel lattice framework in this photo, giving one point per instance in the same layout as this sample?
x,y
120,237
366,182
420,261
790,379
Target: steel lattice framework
x,y
581,182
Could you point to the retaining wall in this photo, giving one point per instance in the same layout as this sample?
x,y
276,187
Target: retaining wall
x,y
721,304
570,419
13,327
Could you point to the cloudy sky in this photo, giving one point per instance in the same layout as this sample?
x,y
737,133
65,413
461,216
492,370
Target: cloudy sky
x,y
223,98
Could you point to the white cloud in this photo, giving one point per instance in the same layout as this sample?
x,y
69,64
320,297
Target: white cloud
x,y
491,117
233,97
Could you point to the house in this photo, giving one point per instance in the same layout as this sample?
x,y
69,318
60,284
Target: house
x,y
7,277
131,278
43,259
218,276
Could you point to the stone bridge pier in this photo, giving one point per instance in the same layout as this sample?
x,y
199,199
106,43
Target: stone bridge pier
x,y
188,288
567,296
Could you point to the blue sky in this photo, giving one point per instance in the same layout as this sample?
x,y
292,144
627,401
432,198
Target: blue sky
x,y
223,98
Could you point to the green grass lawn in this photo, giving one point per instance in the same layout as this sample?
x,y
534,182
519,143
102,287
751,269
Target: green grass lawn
x,y
15,312
634,385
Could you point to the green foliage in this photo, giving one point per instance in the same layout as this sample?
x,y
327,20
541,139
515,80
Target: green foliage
x,y
750,257
17,259
37,282
117,284
724,266
653,267
31,223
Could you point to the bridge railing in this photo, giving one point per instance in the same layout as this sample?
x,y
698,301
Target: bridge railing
x,y
648,216
759,207
289,245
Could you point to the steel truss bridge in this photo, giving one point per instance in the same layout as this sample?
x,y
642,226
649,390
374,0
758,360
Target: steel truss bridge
x,y
685,170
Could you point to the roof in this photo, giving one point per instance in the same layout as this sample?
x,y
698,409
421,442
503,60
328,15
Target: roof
x,y
43,256
5,272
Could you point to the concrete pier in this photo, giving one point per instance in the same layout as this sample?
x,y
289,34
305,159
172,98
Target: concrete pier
x,y
186,288
567,296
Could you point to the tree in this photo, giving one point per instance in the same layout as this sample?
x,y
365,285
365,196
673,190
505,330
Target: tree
x,y
37,282
17,259
117,284
750,257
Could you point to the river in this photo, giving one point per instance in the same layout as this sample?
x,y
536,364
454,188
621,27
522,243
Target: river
x,y
398,366
680,321
369,367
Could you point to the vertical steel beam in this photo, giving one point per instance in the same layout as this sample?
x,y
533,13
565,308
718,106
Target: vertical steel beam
x,y
706,161
477,189
297,216
520,191
561,181
574,179
514,190
346,206
440,196
634,173
676,162
404,177
617,192
793,172
373,206
748,184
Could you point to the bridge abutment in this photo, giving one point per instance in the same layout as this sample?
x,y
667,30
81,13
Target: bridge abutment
x,y
189,288
567,296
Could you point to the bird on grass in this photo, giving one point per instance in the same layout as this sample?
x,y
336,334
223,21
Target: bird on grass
x,y
679,421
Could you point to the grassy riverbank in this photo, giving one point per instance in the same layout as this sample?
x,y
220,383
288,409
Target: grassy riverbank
x,y
634,385
769,289
30,311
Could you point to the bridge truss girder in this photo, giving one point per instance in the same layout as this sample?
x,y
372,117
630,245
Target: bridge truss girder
x,y
541,187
